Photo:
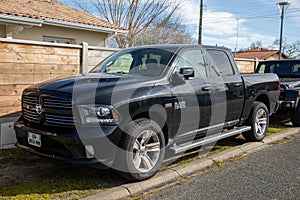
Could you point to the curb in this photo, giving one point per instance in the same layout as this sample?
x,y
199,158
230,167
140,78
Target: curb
x,y
179,173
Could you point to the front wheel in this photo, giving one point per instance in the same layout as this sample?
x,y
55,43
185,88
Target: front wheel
x,y
295,117
142,150
259,122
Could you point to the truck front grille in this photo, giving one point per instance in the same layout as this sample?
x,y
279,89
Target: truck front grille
x,y
59,120
48,110
28,106
57,104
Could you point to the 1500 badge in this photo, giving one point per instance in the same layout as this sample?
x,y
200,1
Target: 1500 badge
x,y
180,105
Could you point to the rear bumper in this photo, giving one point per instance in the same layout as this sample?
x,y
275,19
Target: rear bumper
x,y
75,145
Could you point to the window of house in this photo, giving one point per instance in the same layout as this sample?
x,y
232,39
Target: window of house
x,y
58,40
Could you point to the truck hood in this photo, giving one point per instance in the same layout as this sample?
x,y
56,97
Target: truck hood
x,y
289,83
97,87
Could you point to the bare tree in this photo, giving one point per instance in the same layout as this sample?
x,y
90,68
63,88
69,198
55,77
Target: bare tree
x,y
291,50
257,44
172,32
134,15
159,35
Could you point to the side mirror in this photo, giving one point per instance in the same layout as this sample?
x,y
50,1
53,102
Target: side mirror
x,y
187,72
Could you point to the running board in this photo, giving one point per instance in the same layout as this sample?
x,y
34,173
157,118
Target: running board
x,y
209,139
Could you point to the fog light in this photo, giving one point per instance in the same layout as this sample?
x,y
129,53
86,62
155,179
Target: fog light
x,y
89,151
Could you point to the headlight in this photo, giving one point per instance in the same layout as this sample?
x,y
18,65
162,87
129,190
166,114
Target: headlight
x,y
98,114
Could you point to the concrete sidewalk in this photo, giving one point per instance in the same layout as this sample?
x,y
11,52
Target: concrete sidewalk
x,y
180,173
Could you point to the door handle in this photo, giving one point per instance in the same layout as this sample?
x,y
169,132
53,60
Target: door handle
x,y
206,88
237,85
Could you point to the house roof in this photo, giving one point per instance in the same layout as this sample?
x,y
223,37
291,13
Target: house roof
x,y
52,12
259,53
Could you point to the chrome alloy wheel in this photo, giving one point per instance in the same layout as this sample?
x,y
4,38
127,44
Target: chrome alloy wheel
x,y
261,122
146,151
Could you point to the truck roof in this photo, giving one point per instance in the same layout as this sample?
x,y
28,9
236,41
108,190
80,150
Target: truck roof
x,y
280,61
179,46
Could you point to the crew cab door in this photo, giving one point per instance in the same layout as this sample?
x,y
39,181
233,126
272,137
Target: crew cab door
x,y
191,96
226,79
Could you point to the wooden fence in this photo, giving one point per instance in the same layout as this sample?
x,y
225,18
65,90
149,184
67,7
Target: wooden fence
x,y
246,65
24,63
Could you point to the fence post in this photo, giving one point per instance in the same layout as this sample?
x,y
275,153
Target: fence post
x,y
255,63
84,57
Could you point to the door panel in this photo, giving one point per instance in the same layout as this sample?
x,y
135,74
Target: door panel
x,y
228,83
192,110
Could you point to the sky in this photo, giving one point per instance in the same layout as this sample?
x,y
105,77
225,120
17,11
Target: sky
x,y
255,20
259,20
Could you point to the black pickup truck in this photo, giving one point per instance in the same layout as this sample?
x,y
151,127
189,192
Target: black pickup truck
x,y
288,72
144,104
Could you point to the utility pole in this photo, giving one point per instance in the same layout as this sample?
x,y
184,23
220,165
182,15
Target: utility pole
x,y
200,23
237,35
281,6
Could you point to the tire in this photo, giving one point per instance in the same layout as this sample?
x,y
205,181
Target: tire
x,y
142,150
259,122
295,117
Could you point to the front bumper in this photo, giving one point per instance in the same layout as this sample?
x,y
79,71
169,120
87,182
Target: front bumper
x,y
71,146
287,105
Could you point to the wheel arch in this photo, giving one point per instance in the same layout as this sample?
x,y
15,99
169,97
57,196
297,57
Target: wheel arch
x,y
158,118
264,98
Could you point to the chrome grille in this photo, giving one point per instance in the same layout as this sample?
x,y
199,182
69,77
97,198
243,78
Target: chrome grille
x,y
57,104
28,106
55,111
31,100
31,115
59,120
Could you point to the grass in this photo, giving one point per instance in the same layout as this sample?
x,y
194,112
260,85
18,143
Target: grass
x,y
278,123
283,140
58,183
7,155
43,188
235,159
40,178
219,163
56,180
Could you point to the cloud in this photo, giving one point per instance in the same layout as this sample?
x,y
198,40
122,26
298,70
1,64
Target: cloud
x,y
220,23
294,11
291,13
215,23
244,40
220,28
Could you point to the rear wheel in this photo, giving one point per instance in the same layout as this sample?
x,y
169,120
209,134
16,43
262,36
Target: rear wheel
x,y
142,150
259,122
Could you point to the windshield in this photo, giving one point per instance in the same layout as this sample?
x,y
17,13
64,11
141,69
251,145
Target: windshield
x,y
139,61
282,69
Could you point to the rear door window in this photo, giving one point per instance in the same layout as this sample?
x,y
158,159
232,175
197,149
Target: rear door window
x,y
221,62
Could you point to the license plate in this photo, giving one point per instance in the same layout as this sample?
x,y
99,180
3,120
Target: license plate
x,y
34,139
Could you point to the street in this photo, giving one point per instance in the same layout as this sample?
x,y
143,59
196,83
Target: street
x,y
272,173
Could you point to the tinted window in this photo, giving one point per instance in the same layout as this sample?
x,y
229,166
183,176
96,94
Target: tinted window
x,y
145,62
221,62
192,58
280,68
